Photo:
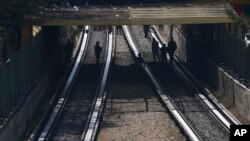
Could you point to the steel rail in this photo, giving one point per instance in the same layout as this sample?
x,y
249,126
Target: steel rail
x,y
209,97
93,122
35,133
95,98
216,115
214,112
219,111
97,92
161,92
63,97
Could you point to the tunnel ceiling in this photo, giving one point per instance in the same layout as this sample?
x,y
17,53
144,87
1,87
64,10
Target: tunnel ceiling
x,y
163,13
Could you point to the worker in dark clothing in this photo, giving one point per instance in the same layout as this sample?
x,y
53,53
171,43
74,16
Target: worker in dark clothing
x,y
119,29
155,49
163,53
140,60
146,30
171,48
109,27
98,50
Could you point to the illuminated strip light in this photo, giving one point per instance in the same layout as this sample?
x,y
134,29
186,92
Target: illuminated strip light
x,y
60,102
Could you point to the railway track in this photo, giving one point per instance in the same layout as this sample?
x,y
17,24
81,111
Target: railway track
x,y
203,116
93,122
133,110
207,97
70,115
216,108
132,106
162,93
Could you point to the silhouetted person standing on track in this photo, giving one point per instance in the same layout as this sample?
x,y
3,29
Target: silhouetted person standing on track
x,y
140,60
155,49
163,53
98,50
119,29
146,30
171,48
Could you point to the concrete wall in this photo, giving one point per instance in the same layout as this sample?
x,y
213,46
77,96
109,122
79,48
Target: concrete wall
x,y
228,89
17,124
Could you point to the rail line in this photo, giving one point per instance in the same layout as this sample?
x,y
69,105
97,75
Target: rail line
x,y
184,96
51,121
93,122
174,105
72,109
34,135
133,110
204,94
208,105
162,93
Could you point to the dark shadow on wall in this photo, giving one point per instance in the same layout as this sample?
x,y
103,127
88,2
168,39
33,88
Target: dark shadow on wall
x,y
202,67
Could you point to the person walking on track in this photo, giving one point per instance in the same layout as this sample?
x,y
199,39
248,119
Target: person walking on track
x,y
98,50
155,49
171,49
163,53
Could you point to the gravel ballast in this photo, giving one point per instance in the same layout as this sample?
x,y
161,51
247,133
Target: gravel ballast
x,y
133,111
